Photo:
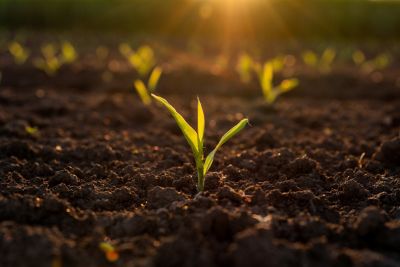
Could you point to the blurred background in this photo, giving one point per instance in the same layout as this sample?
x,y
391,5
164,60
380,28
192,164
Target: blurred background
x,y
217,19
222,45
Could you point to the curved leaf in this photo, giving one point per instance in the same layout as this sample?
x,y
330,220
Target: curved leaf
x,y
228,135
200,121
266,79
142,92
288,84
189,133
154,78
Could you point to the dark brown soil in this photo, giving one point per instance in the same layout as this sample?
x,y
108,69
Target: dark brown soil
x,y
313,181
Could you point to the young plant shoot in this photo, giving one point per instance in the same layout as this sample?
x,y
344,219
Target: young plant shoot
x,y
144,90
19,53
322,63
54,57
244,67
271,92
196,139
142,60
380,62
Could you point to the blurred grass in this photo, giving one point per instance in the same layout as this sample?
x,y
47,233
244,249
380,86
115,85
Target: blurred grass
x,y
340,19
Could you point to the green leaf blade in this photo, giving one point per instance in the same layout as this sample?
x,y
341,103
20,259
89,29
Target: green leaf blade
x,y
200,121
142,92
189,133
288,84
266,79
228,135
154,78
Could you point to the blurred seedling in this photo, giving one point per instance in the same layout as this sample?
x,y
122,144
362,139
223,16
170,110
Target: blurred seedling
x,y
53,57
68,52
19,52
33,131
50,62
144,90
196,139
323,63
244,67
271,92
380,62
109,251
142,60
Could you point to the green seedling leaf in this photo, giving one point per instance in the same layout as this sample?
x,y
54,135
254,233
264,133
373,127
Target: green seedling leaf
x,y
270,91
228,135
310,58
154,78
266,78
288,84
189,133
200,122
244,67
19,53
68,52
49,50
143,60
195,139
328,56
142,92
31,130
277,63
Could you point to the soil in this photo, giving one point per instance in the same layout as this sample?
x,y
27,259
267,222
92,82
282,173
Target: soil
x,y
313,181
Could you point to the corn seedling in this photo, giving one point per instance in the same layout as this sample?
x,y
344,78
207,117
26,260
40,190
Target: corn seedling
x,y
142,60
244,67
34,131
68,52
322,63
19,53
50,62
380,62
196,139
271,92
144,90
54,57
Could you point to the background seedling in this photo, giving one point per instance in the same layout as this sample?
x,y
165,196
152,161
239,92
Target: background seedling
x,y
322,63
144,90
50,63
271,92
245,67
196,139
19,53
68,52
53,57
142,60
380,62
31,130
